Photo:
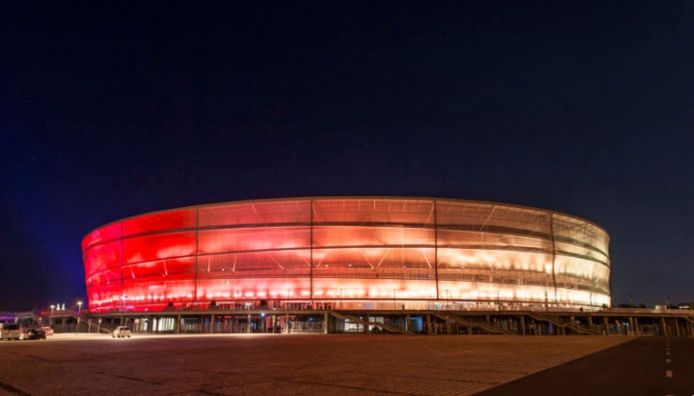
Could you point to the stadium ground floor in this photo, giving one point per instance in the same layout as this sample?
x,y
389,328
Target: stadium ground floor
x,y
424,322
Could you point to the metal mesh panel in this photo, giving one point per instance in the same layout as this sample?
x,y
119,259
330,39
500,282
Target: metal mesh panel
x,y
491,240
102,257
256,238
399,263
252,264
272,212
373,210
325,236
102,234
163,221
567,229
170,269
159,246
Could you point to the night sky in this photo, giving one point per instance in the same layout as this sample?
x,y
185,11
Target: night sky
x,y
108,110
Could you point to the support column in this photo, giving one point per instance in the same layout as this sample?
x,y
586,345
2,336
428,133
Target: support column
x,y
607,325
177,326
637,331
325,323
429,324
663,326
407,322
522,324
212,323
274,323
248,323
677,327
366,324
590,322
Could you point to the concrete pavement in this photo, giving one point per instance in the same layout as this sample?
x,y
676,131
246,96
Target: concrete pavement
x,y
656,366
280,364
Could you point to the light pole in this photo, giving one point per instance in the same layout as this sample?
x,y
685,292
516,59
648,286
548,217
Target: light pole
x,y
79,310
50,319
286,313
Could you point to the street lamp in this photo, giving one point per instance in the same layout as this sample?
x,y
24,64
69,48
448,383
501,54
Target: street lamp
x,y
286,313
79,310
50,320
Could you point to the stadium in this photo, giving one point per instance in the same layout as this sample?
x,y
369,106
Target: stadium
x,y
359,253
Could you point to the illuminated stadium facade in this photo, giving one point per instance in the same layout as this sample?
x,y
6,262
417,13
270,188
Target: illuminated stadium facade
x,y
366,253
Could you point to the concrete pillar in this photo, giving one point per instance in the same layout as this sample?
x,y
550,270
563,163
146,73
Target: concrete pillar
x,y
366,324
606,323
637,331
663,327
325,323
677,327
407,322
177,325
212,323
248,323
590,322
429,324
522,324
274,323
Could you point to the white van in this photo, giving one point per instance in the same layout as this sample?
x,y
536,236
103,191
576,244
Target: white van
x,y
10,331
121,332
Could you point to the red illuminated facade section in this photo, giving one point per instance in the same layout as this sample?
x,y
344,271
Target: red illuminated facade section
x,y
351,252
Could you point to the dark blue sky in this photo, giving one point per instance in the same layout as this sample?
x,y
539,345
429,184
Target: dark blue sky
x,y
113,109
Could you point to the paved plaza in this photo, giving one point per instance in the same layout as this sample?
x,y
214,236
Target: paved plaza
x,y
281,364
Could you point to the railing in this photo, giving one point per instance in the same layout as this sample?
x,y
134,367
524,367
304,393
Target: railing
x,y
567,325
473,324
383,326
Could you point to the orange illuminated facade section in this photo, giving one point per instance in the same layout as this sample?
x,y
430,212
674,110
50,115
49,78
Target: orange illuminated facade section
x,y
351,252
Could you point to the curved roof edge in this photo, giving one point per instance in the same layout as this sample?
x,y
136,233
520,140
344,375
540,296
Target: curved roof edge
x,y
303,198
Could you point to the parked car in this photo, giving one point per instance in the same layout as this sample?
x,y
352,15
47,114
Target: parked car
x,y
121,332
34,334
48,330
11,331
